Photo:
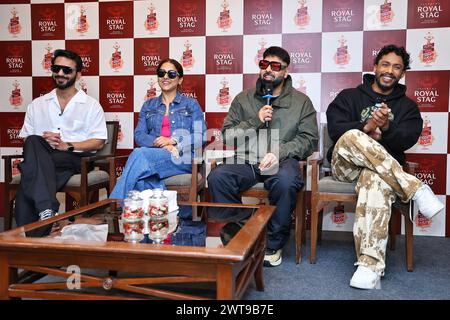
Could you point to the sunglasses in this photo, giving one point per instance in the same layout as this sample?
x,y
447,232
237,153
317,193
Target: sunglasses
x,y
67,70
172,74
275,66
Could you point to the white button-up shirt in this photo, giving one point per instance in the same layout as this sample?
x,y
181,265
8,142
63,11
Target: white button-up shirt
x,y
83,118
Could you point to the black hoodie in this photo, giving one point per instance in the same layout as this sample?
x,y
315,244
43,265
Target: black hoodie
x,y
351,108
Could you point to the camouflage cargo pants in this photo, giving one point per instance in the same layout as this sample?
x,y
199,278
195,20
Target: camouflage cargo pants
x,y
380,178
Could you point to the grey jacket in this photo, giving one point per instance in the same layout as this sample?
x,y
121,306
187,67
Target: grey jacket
x,y
292,131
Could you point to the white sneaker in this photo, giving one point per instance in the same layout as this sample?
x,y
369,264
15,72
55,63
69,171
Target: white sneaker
x,y
427,202
46,214
272,258
365,278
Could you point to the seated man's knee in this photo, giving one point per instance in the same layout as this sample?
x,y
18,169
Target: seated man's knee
x,y
285,183
351,133
349,137
33,139
216,176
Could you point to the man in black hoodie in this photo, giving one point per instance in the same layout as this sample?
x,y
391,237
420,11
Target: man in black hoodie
x,y
372,126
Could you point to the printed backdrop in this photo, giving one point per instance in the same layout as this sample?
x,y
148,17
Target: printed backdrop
x,y
332,43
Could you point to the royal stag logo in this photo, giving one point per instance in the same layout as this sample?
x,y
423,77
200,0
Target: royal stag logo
x,y
224,20
151,22
302,18
428,53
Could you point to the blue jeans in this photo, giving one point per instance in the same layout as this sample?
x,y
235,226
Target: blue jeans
x,y
146,168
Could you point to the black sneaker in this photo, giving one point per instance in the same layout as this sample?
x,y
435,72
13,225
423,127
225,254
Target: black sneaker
x,y
229,230
272,258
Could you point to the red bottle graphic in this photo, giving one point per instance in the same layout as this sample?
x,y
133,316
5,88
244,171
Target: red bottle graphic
x,y
223,98
116,61
151,23
15,99
301,18
187,60
338,216
342,57
426,137
224,21
428,53
151,91
47,61
82,23
14,26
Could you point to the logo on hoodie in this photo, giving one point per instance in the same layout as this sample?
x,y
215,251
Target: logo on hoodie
x,y
366,113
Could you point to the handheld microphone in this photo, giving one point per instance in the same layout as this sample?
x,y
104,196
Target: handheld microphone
x,y
268,90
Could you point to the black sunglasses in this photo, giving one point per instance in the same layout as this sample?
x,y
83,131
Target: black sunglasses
x,y
67,70
172,74
275,66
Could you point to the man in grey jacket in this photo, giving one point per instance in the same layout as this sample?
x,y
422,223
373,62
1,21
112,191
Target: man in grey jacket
x,y
272,127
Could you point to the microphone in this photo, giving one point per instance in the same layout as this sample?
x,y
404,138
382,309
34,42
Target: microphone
x,y
268,90
61,113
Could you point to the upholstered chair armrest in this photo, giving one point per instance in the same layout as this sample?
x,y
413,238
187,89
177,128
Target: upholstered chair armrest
x,y
85,165
315,160
303,164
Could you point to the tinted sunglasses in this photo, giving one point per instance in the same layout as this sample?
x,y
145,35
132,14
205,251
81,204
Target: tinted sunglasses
x,y
172,74
67,70
275,66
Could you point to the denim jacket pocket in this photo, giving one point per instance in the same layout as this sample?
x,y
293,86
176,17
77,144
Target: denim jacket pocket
x,y
151,118
184,119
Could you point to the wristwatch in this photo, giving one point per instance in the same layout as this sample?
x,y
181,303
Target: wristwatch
x,y
70,147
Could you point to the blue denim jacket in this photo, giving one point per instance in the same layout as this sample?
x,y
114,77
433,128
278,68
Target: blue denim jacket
x,y
187,124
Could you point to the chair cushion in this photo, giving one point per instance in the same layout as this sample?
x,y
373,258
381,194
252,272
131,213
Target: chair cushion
x,y
15,179
328,184
94,177
180,179
259,185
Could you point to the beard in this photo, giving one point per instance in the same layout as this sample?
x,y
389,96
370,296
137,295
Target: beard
x,y
276,81
69,83
384,87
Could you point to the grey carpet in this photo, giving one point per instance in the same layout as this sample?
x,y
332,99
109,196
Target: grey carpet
x,y
329,278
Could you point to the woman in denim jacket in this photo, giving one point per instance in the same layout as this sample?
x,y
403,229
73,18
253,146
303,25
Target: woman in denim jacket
x,y
169,130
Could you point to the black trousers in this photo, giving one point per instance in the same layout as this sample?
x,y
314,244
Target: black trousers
x,y
44,171
227,181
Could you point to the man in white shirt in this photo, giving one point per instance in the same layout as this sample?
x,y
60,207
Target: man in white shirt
x,y
59,128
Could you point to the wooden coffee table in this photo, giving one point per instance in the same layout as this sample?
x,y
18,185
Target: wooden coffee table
x,y
154,268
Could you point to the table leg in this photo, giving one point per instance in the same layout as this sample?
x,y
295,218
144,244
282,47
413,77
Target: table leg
x,y
226,283
5,274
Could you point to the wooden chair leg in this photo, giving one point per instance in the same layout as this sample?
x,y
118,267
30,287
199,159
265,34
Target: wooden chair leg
x,y
9,210
84,198
299,222
409,244
314,226
319,232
